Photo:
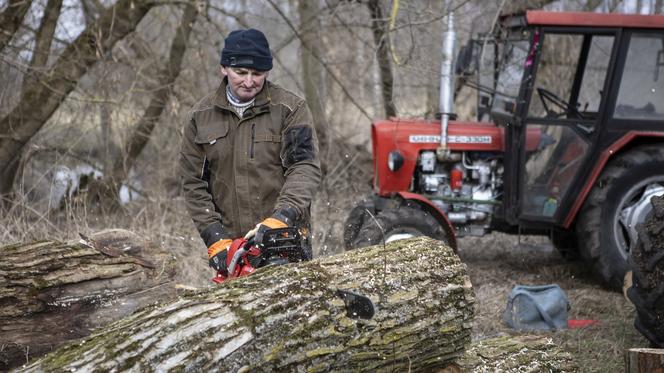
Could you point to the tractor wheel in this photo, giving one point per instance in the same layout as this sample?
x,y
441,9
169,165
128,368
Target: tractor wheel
x,y
618,202
647,290
358,215
399,223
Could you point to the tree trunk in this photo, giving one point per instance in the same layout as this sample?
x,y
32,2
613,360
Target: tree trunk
x,y
312,70
379,30
53,292
41,99
43,41
142,131
11,19
289,318
515,354
644,360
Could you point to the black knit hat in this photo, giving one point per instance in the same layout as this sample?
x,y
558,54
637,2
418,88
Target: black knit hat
x,y
247,48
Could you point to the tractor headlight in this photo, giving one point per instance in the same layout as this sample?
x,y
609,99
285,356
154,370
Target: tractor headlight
x,y
394,160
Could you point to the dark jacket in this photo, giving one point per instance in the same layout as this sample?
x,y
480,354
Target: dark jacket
x,y
237,172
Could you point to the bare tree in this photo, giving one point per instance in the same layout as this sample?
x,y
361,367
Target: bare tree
x,y
11,19
142,131
44,96
312,71
379,28
43,41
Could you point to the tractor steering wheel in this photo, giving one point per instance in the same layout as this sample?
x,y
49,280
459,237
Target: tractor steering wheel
x,y
546,95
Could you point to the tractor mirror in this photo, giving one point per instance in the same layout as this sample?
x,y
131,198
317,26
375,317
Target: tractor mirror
x,y
465,63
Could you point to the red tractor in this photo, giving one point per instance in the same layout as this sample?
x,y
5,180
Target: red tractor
x,y
575,149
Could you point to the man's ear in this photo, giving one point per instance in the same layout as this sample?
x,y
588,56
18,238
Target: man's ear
x,y
223,71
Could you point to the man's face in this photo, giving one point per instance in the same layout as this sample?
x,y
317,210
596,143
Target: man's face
x,y
245,83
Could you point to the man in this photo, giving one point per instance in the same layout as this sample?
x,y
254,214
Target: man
x,y
249,152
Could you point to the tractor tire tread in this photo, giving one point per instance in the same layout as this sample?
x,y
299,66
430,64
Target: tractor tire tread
x,y
589,220
647,290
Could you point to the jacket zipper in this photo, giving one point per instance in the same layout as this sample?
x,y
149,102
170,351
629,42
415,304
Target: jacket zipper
x,y
253,136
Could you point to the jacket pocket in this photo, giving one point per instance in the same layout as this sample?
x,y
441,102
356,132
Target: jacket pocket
x,y
212,135
209,133
265,146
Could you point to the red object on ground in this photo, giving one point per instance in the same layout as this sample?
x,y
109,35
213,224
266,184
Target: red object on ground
x,y
577,324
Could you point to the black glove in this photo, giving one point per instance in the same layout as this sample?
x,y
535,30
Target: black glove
x,y
281,219
217,254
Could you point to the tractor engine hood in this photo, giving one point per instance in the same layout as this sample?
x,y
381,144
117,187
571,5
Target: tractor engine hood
x,y
412,136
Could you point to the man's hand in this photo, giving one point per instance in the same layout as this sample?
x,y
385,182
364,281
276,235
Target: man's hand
x,y
217,253
265,225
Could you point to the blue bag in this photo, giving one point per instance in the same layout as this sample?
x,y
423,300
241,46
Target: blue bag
x,y
537,308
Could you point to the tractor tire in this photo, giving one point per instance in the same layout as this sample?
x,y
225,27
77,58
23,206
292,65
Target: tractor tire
x,y
358,215
647,290
619,200
398,223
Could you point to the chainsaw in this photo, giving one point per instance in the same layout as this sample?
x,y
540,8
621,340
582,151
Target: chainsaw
x,y
279,246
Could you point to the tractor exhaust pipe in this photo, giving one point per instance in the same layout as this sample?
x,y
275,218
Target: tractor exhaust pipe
x,y
446,105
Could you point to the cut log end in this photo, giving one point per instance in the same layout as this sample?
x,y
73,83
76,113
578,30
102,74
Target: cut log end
x,y
644,360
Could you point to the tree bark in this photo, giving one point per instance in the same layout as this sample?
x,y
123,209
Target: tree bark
x,y
379,30
289,318
41,99
52,292
515,354
11,19
142,131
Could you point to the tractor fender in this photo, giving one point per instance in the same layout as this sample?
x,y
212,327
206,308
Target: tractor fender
x,y
603,159
434,211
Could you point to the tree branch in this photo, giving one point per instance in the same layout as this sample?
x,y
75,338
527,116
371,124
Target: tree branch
x,y
11,19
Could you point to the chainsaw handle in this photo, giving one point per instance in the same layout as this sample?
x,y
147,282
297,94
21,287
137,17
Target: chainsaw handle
x,y
236,257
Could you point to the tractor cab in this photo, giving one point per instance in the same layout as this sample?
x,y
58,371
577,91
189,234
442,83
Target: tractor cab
x,y
582,81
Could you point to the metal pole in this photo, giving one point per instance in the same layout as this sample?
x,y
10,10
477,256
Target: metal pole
x,y
446,82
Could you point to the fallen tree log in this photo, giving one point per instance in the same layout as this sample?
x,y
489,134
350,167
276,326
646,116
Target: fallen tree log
x,y
290,318
53,292
526,353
